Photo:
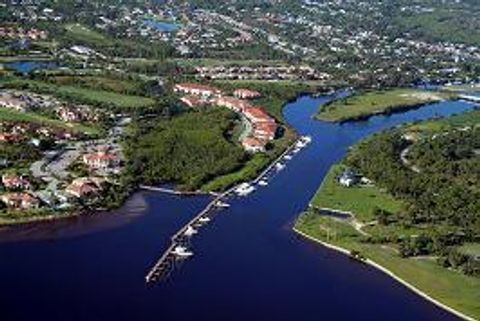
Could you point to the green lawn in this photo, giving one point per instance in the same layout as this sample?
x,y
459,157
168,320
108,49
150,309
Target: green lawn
x,y
365,104
101,98
449,287
13,115
472,249
471,118
84,34
359,200
116,85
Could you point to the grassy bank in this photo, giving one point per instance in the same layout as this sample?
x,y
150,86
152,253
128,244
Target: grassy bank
x,y
449,287
361,200
383,239
365,104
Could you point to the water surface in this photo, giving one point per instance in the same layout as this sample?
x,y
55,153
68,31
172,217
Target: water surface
x,y
248,264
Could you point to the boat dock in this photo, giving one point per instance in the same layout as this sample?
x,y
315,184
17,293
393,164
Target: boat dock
x,y
166,262
169,191
475,99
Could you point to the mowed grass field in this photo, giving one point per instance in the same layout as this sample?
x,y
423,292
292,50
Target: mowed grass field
x,y
13,115
84,34
91,96
365,104
455,289
361,200
96,82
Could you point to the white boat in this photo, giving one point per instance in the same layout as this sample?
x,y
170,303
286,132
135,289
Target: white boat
x,y
244,189
181,251
306,139
222,204
204,219
279,166
263,183
288,157
296,150
190,231
300,144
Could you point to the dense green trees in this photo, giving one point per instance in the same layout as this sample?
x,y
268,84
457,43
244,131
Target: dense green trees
x,y
443,199
189,149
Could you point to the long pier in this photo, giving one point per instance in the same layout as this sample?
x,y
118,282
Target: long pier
x,y
165,262
169,191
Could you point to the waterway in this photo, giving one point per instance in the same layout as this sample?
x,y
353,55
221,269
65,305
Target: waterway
x,y
248,264
162,25
26,66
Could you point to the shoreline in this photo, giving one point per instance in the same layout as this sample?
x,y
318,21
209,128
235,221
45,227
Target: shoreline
x,y
389,273
387,112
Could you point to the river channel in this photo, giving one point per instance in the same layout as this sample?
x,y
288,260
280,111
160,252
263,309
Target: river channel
x,y
248,264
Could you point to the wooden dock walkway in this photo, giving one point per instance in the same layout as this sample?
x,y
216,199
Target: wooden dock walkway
x,y
162,265
475,99
170,191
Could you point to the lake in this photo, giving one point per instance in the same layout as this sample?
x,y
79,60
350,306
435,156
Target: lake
x,y
26,66
248,264
162,25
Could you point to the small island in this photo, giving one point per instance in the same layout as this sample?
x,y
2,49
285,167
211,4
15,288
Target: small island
x,y
365,104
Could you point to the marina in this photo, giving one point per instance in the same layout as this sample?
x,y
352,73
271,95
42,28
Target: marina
x,y
181,239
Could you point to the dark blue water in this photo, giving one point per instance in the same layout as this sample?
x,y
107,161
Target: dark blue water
x,y
26,66
161,25
248,264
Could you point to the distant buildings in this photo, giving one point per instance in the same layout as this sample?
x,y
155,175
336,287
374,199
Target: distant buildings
x,y
263,127
193,101
246,93
197,89
101,159
21,33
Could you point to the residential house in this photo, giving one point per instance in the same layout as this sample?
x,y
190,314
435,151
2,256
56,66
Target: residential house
x,y
252,144
84,187
20,200
13,181
101,159
197,89
246,94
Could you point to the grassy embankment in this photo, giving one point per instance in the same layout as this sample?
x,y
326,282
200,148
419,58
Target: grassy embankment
x,y
450,287
100,98
366,104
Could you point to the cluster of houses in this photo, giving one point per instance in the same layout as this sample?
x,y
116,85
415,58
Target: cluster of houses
x,y
18,195
263,126
261,72
22,33
14,132
23,101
